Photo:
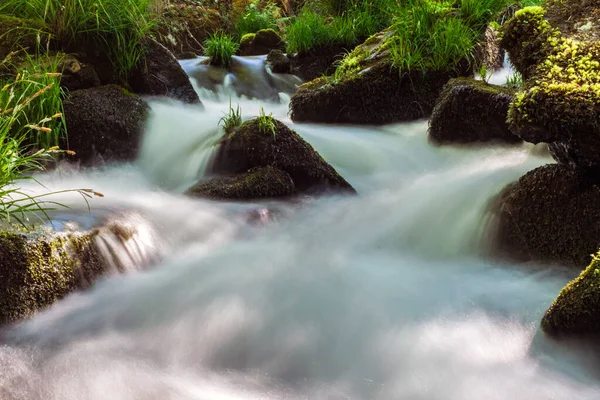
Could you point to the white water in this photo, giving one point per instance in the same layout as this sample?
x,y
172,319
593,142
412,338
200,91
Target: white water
x,y
385,295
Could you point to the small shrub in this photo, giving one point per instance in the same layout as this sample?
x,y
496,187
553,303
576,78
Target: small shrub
x,y
255,19
266,123
231,120
220,48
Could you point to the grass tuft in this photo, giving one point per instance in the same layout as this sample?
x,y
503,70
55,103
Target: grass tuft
x,y
220,48
266,123
231,120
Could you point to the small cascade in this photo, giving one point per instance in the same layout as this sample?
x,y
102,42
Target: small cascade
x,y
247,76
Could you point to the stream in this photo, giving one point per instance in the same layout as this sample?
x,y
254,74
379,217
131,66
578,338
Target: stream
x,y
385,295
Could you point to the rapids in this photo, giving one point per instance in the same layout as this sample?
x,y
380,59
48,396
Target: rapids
x,y
385,295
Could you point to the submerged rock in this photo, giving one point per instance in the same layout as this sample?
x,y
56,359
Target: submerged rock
x,y
159,74
257,183
255,144
471,111
105,123
37,270
576,310
261,42
367,89
550,215
279,62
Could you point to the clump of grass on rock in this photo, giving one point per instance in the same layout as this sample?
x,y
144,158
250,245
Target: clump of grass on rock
x,y
220,48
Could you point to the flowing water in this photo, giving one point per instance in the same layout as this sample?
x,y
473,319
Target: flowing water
x,y
384,295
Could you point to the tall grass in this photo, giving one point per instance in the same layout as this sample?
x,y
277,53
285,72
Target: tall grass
x,y
255,19
220,47
116,27
308,31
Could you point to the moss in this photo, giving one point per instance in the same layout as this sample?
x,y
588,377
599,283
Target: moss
x,y
279,62
247,39
261,42
249,147
258,183
471,111
576,310
36,270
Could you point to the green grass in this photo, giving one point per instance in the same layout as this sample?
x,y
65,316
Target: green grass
x,y
220,48
308,31
231,120
115,27
514,80
255,19
266,123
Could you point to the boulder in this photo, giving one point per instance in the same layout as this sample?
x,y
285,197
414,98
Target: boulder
x,y
38,269
258,183
470,111
317,62
261,42
279,62
550,215
159,74
576,310
252,145
76,74
367,89
104,123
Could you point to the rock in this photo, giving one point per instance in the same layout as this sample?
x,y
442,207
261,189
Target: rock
x,y
159,74
550,215
104,123
489,52
258,183
251,146
188,55
279,62
261,42
560,102
366,89
36,270
471,111
576,310
318,62
77,75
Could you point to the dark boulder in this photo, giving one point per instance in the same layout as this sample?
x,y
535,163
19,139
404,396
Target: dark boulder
x,y
261,42
316,62
159,74
550,215
258,183
279,62
252,145
77,75
104,123
470,111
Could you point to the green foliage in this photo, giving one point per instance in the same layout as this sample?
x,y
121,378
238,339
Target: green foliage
x,y
484,74
220,48
231,120
514,80
478,13
266,123
116,27
255,19
308,31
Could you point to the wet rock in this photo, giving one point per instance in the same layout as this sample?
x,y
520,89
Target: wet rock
x,y
104,124
188,55
317,62
279,62
159,74
38,269
550,215
470,111
252,145
261,42
77,74
257,183
576,310
366,89
489,52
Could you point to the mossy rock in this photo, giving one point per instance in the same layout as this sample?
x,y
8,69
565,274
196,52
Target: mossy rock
x,y
17,34
77,74
251,146
38,269
576,310
258,183
470,111
367,89
261,42
550,215
279,62
159,74
104,124
489,52
317,62
560,102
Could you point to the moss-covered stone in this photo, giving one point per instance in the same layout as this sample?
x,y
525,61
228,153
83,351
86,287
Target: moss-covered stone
x,y
258,183
317,62
367,89
549,215
38,269
104,123
261,42
471,111
576,310
279,62
251,146
18,34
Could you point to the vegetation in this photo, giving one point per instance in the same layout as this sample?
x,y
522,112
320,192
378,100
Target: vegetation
x,y
220,48
514,80
231,120
266,123
116,27
254,19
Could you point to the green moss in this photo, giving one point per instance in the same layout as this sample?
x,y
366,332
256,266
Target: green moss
x,y
576,310
247,39
38,269
17,34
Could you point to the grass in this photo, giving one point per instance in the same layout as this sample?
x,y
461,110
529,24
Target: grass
x,y
266,123
115,27
254,19
514,80
220,47
231,120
